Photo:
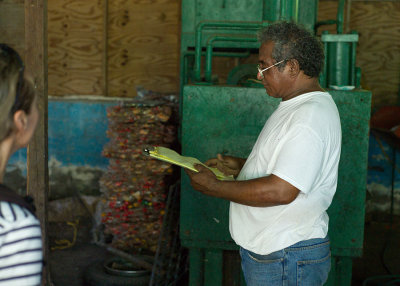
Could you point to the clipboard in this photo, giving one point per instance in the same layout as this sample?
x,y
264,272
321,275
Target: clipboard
x,y
172,157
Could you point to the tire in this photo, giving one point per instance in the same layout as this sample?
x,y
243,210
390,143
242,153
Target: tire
x,y
96,275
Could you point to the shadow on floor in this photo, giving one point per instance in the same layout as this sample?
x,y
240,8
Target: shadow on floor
x,y
381,255
67,266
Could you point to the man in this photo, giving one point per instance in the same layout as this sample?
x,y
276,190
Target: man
x,y
279,200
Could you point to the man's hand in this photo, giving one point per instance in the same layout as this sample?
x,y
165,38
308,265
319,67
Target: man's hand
x,y
203,181
227,164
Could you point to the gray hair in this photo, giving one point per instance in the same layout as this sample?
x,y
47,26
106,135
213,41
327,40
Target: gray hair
x,y
292,41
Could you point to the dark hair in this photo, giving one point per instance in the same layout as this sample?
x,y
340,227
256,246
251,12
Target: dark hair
x,y
293,41
16,93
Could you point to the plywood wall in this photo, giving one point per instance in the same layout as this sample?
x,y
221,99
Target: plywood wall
x,y
12,24
76,47
378,24
378,51
143,46
128,43
100,49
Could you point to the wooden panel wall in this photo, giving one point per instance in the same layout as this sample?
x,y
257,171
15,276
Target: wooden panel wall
x,y
378,24
143,45
378,51
12,21
76,47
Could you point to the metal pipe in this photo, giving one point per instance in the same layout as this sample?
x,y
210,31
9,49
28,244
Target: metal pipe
x,y
184,70
283,9
323,77
198,36
222,54
296,11
209,51
339,17
353,61
271,10
216,54
348,14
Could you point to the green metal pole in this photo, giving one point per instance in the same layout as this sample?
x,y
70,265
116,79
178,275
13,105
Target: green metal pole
x,y
323,77
198,36
209,51
353,61
271,10
296,11
196,266
340,20
343,271
184,68
184,71
283,10
213,267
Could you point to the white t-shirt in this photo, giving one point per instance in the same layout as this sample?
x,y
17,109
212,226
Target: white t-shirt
x,y
300,143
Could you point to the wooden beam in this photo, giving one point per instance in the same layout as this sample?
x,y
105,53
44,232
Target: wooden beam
x,y
105,45
36,66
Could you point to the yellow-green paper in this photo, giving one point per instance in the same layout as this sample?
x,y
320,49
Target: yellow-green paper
x,y
170,156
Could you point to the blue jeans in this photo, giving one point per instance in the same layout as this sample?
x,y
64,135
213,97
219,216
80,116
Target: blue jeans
x,y
306,263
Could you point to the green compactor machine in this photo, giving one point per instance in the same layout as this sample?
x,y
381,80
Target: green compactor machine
x,y
227,117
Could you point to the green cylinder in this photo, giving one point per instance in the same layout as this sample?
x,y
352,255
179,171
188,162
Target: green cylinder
x,y
340,59
339,63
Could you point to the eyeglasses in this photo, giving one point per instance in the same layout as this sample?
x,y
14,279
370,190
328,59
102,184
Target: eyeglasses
x,y
260,71
10,52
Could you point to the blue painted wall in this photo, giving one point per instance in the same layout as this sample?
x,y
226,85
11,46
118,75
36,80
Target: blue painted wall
x,y
76,137
383,170
76,133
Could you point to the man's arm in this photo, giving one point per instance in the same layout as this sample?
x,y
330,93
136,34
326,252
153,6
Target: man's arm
x,y
261,192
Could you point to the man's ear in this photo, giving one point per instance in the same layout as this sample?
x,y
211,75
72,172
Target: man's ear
x,y
20,121
294,67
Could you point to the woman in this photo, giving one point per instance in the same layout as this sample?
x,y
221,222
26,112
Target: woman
x,y
21,257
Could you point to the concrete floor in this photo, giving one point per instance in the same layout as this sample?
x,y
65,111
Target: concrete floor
x,y
67,265
381,254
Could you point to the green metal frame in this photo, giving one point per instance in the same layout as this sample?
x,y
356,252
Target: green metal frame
x,y
231,24
340,60
229,119
217,119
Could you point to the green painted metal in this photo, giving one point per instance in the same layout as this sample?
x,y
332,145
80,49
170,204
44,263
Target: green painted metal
x,y
213,267
204,19
254,26
291,10
343,266
339,21
187,63
221,38
229,119
339,17
340,60
334,38
196,266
